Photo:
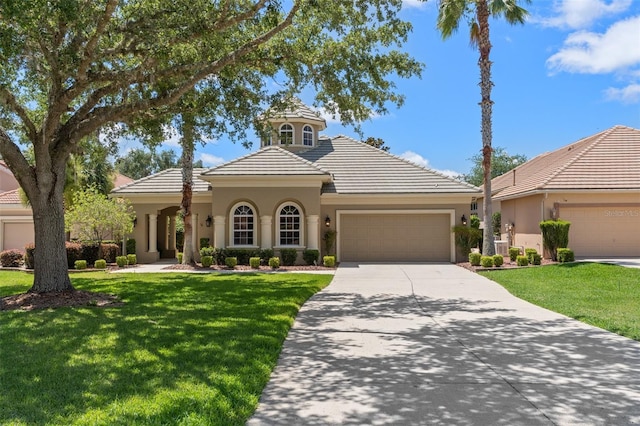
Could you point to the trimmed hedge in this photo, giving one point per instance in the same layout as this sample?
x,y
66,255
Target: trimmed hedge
x,y
289,256
329,261
132,259
90,252
555,235
231,262
475,258
522,261
100,264
207,251
535,259
121,261
109,252
180,258
74,252
274,262
254,262
131,246
514,252
498,260
311,256
11,258
207,261
486,261
565,255
80,264
529,252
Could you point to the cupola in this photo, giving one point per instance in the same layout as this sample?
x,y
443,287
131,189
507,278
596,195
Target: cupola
x,y
296,127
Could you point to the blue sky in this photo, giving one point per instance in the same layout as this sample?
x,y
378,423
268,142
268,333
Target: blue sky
x,y
571,71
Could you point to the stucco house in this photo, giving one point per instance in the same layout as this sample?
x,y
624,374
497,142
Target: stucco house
x,y
593,183
297,186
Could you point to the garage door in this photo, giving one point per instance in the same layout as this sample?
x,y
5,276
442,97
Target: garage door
x,y
603,231
395,237
16,235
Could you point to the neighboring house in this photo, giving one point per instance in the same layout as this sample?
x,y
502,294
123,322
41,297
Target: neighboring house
x,y
593,183
16,220
298,186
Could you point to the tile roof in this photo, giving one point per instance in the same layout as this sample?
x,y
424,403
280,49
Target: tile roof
x,y
295,109
120,180
165,182
358,168
10,197
606,160
268,161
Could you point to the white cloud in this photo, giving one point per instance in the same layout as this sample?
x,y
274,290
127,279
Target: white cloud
x,y
627,95
419,160
172,135
211,160
418,4
587,52
578,14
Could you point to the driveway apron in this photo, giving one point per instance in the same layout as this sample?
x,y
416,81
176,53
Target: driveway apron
x,y
436,344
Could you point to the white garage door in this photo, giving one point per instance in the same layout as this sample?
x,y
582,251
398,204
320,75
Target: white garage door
x,y
16,235
603,231
395,237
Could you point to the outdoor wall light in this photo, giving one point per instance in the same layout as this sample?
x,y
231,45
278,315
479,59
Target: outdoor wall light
x,y
463,219
327,221
208,221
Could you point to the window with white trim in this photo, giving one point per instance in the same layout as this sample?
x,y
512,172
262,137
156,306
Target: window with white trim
x,y
286,134
307,135
289,226
243,226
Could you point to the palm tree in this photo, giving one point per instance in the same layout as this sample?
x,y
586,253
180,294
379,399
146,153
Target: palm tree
x,y
450,14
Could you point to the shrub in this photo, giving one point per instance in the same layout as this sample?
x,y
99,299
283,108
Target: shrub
x,y
254,262
498,260
496,223
555,234
29,255
90,252
121,261
207,251
289,256
204,242
11,258
474,259
80,264
529,252
274,262
466,237
231,262
565,255
311,256
207,261
132,259
329,239
329,261
131,246
100,264
486,261
535,259
180,258
109,252
513,253
242,255
74,252
266,254
522,260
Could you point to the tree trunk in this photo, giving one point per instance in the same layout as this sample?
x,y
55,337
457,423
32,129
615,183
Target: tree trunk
x,y
186,160
484,45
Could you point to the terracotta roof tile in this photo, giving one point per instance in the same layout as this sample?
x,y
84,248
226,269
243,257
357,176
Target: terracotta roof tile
x,y
165,182
10,197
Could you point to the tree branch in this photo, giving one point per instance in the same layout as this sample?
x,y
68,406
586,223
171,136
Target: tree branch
x,y
7,98
16,162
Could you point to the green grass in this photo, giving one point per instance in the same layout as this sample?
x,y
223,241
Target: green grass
x,y
185,349
606,296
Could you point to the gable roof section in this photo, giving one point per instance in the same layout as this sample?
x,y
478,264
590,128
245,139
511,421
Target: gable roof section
x,y
168,181
605,161
358,168
295,110
268,161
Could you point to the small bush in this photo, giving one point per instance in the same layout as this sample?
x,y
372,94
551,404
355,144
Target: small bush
x,y
466,237
474,259
242,255
80,264
529,252
231,262
131,246
11,258
289,256
29,255
274,262
90,252
254,262
121,261
522,261
329,261
132,259
536,259
311,256
180,258
207,251
265,254
204,242
498,260
207,261
565,255
486,261
100,264
109,252
555,234
514,252
74,252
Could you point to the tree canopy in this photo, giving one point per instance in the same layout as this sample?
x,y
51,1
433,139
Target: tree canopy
x,y
139,162
377,143
501,163
71,68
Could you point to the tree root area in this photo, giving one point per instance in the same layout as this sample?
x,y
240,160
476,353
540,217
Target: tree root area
x,y
77,298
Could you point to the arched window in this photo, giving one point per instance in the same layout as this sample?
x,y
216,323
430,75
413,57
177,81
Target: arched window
x,y
289,225
307,135
243,225
286,134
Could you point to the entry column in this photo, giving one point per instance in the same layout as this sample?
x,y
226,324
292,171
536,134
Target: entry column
x,y
265,232
218,231
153,233
312,231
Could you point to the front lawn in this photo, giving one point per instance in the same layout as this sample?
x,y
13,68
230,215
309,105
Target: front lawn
x,y
184,349
607,296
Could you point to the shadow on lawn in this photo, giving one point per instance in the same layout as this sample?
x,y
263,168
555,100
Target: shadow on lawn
x,y
177,348
421,362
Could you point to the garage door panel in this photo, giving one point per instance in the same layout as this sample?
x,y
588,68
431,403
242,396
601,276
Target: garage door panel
x,y
395,237
17,234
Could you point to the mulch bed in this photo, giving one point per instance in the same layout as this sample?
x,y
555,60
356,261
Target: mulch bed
x,y
298,268
506,265
77,298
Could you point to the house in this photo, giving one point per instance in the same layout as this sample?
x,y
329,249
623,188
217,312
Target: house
x,y
298,186
593,183
16,219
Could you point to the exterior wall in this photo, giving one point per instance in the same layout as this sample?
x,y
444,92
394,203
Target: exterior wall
x,y
297,135
16,226
525,214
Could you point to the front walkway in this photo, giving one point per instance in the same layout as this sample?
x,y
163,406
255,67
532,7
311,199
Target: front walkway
x,y
437,344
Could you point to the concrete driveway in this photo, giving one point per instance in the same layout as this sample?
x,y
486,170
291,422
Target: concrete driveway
x,y
437,344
